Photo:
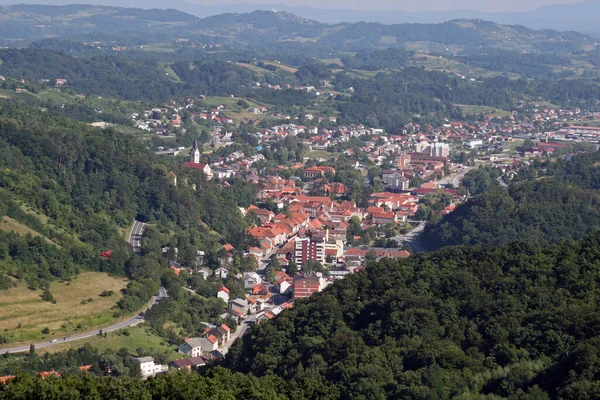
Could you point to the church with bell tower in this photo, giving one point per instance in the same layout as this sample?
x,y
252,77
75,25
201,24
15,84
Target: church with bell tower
x,y
195,163
195,152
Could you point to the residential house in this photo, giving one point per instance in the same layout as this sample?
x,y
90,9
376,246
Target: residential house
x,y
221,272
191,347
223,294
188,363
239,307
147,366
204,272
251,279
182,363
283,282
209,343
382,218
222,333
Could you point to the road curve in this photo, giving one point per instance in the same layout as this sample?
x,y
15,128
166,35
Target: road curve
x,y
162,293
135,235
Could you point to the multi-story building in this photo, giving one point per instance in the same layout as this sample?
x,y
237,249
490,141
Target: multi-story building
x,y
309,248
439,150
305,286
394,180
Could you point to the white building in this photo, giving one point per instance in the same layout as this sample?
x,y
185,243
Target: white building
x,y
223,294
147,366
474,143
191,347
439,150
251,279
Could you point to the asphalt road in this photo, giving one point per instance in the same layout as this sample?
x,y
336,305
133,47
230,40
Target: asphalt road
x,y
411,238
162,293
455,178
135,236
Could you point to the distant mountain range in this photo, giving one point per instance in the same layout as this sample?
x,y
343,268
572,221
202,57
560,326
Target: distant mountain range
x,y
267,29
581,17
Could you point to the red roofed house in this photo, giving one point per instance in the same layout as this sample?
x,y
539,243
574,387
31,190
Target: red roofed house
x,y
305,286
106,254
47,374
211,343
223,294
6,378
383,218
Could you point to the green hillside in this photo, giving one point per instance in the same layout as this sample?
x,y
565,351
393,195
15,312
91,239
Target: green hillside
x,y
516,321
554,201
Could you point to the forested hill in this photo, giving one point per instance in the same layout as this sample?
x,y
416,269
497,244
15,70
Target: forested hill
x,y
555,201
80,187
267,28
517,321
123,77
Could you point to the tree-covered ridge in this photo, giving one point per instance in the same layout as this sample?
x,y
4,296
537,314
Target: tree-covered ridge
x,y
217,384
554,200
513,321
125,78
267,28
78,186
581,170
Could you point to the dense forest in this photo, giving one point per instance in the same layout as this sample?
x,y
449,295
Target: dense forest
x,y
79,187
549,202
514,321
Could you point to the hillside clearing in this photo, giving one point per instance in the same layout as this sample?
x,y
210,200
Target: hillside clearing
x,y
25,314
7,224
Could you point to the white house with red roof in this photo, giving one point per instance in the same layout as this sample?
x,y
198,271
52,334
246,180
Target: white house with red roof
x,y
223,294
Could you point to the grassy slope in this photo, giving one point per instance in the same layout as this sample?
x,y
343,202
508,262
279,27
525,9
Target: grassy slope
x,y
8,224
139,337
25,308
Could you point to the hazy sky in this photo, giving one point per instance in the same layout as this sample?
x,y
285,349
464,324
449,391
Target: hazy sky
x,y
406,5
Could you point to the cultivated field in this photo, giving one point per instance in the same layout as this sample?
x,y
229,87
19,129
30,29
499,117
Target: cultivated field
x,y
24,314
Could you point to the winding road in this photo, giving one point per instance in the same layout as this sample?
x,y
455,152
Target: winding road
x,y
134,240
162,293
135,235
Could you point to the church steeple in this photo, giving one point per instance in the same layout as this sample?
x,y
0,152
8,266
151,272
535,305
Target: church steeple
x,y
195,151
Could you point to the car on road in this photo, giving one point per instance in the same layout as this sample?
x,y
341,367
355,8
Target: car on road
x,y
53,340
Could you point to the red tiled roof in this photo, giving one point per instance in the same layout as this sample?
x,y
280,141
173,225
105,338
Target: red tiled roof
x,y
46,374
228,247
6,378
212,339
189,164
224,289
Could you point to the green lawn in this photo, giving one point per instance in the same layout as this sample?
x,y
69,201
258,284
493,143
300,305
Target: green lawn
x,y
320,154
139,337
485,110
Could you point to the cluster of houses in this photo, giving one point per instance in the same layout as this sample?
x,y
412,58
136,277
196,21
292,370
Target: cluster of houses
x,y
315,227
221,168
